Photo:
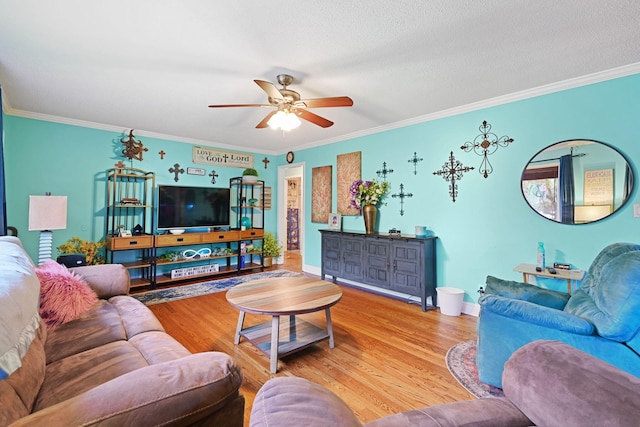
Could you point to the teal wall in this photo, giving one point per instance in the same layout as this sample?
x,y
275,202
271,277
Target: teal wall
x,y
72,161
488,230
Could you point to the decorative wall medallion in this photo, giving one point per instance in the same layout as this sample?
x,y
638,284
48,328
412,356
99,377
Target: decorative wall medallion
x,y
133,149
485,144
415,159
402,195
384,171
176,170
290,157
452,172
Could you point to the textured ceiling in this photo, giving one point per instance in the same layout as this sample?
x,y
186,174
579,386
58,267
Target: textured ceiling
x,y
155,66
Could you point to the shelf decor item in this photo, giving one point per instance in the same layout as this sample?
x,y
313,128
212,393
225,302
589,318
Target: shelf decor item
x,y
367,196
270,248
249,175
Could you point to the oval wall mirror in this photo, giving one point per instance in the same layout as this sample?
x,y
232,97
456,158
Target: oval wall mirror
x,y
578,181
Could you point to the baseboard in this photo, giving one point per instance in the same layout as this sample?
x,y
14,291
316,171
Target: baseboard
x,y
469,308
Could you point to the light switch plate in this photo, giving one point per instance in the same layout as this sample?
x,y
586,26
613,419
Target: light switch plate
x,y
636,210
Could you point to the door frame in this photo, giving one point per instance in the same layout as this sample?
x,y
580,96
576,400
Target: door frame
x,y
282,205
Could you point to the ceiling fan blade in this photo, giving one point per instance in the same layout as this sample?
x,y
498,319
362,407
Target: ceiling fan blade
x,y
264,122
270,88
239,105
338,101
314,118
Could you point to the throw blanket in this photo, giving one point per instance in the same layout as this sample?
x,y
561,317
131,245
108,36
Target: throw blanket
x,y
19,303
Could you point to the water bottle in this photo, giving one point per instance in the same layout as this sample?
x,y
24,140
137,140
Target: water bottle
x,y
540,266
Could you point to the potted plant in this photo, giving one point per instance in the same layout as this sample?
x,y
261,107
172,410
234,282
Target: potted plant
x,y
249,175
270,249
91,250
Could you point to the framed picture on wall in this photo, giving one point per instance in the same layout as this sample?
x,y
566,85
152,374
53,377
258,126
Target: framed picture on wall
x,y
335,221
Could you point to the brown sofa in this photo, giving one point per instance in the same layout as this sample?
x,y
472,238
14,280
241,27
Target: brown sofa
x,y
112,366
546,383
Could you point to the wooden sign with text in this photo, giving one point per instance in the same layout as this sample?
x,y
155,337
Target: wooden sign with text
x,y
212,156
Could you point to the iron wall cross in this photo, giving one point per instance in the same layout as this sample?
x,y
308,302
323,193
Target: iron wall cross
x,y
402,195
266,162
213,176
415,161
452,172
176,169
485,144
384,171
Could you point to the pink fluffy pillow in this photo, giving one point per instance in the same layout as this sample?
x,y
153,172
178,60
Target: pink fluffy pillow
x,y
63,294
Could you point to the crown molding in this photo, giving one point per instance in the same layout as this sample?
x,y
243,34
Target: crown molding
x,y
593,78
589,79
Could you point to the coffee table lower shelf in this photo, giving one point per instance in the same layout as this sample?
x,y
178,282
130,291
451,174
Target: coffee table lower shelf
x,y
293,336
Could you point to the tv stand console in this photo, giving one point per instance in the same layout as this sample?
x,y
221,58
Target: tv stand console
x,y
193,255
403,264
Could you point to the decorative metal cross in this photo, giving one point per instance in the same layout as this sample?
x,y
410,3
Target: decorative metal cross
x,y
384,171
402,195
485,144
162,153
266,162
132,149
415,161
176,169
120,165
213,176
452,172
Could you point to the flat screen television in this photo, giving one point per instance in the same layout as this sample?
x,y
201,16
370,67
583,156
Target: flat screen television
x,y
182,207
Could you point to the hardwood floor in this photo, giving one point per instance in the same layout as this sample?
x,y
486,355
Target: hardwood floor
x,y
388,355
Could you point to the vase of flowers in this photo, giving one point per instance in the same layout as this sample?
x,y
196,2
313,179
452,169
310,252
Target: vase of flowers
x,y
367,196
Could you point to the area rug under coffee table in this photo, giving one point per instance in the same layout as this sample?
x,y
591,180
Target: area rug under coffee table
x,y
158,296
461,361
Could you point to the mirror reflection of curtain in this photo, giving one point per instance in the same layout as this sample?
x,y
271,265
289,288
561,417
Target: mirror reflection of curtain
x,y
567,189
628,182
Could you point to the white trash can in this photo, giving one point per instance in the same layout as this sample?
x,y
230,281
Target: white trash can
x,y
450,300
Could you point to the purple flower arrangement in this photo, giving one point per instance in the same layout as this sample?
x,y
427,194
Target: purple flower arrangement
x,y
367,193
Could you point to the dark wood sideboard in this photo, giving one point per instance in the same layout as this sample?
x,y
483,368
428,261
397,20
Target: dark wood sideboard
x,y
405,263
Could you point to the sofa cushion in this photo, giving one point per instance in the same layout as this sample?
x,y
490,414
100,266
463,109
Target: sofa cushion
x,y
286,401
555,384
489,412
78,373
18,392
19,301
100,325
63,294
612,300
526,292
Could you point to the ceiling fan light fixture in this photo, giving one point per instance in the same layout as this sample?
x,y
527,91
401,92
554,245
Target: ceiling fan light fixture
x,y
284,120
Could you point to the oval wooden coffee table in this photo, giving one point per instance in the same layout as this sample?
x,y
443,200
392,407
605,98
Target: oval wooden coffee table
x,y
284,296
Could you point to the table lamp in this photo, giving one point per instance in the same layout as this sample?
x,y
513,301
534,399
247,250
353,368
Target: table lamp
x,y
47,213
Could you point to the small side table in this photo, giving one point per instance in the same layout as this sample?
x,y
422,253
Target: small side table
x,y
571,276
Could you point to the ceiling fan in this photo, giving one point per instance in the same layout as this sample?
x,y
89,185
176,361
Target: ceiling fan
x,y
289,105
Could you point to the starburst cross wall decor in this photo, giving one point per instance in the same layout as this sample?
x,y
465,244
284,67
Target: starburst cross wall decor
x,y
485,144
132,149
452,172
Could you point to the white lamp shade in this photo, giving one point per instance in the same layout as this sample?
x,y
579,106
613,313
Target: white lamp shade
x,y
47,212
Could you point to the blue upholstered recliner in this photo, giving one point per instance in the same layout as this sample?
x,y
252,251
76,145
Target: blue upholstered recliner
x,y
601,318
